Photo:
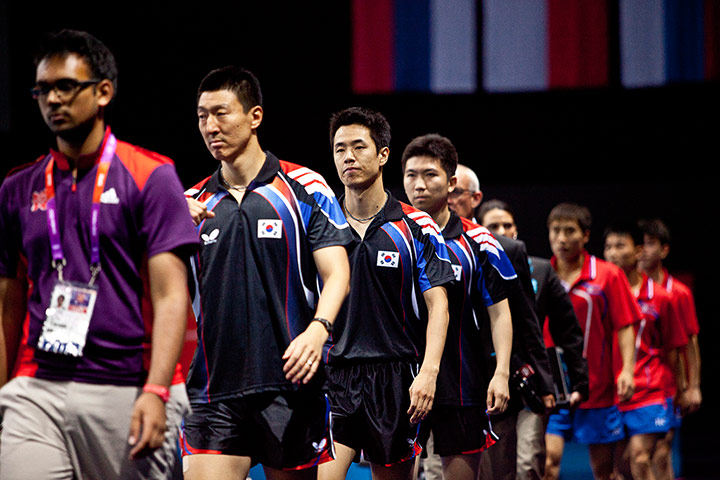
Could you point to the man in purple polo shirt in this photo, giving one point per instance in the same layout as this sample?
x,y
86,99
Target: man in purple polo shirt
x,y
86,223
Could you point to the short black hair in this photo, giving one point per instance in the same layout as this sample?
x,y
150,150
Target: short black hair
x,y
655,228
372,120
571,211
242,82
625,227
98,57
435,146
493,204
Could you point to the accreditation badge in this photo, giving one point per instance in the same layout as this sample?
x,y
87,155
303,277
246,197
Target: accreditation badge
x,y
67,319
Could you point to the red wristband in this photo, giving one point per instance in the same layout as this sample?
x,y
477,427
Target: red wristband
x,y
159,390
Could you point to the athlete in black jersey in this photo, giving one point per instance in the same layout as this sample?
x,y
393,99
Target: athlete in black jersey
x,y
484,277
384,355
268,229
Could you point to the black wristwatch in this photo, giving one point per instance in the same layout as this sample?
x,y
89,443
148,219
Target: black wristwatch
x,y
328,326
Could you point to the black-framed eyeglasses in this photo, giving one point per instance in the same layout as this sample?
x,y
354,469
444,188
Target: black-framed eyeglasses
x,y
64,88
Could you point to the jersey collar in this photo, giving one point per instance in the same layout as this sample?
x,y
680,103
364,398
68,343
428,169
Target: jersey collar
x,y
454,227
589,268
647,288
270,168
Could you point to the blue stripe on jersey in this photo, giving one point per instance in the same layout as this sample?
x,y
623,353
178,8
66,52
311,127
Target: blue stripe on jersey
x,y
464,257
332,210
407,286
421,264
289,212
501,262
200,358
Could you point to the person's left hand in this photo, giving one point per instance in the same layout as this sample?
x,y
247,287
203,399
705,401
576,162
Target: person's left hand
x,y
147,424
625,385
302,356
549,401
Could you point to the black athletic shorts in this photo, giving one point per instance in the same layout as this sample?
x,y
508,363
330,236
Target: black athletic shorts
x,y
369,403
458,430
283,430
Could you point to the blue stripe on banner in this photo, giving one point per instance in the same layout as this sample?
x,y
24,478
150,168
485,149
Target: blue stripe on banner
x,y
453,50
412,45
642,43
684,41
515,48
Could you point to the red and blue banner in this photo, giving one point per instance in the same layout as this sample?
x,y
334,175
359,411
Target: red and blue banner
x,y
465,46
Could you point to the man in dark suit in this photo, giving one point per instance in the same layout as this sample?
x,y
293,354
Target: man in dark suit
x,y
562,334
499,462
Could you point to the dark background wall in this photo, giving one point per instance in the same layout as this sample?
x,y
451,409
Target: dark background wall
x,y
635,153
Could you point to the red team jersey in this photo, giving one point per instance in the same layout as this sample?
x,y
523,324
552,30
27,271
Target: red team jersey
x,y
658,332
684,302
603,304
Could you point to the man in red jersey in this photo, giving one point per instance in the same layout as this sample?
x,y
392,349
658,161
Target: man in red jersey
x,y
656,247
606,310
659,335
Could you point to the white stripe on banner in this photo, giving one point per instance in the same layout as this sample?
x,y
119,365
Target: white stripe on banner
x,y
642,43
515,48
453,46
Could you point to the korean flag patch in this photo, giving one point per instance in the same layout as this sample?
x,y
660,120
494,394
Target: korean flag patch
x,y
457,270
387,259
269,228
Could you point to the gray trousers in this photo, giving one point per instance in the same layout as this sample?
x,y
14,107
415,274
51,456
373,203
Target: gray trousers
x,y
72,430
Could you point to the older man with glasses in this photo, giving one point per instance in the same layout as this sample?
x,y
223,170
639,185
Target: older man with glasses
x,y
467,195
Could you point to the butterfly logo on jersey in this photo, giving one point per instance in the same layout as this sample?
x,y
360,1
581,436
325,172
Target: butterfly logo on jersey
x,y
211,237
39,201
319,447
269,228
388,259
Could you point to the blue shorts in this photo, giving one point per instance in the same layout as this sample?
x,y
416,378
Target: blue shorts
x,y
648,419
588,426
674,416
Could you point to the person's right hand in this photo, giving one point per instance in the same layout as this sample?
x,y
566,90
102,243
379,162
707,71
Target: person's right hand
x,y
575,399
198,211
498,394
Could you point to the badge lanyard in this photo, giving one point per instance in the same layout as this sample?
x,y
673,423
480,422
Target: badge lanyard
x,y
58,258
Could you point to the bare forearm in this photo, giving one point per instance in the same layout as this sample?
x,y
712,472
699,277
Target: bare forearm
x,y
334,270
438,318
168,289
676,365
12,313
692,353
502,335
626,345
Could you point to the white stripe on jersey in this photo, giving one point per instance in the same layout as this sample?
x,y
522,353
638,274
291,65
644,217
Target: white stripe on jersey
x,y
191,191
309,179
482,236
429,227
312,181
427,224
